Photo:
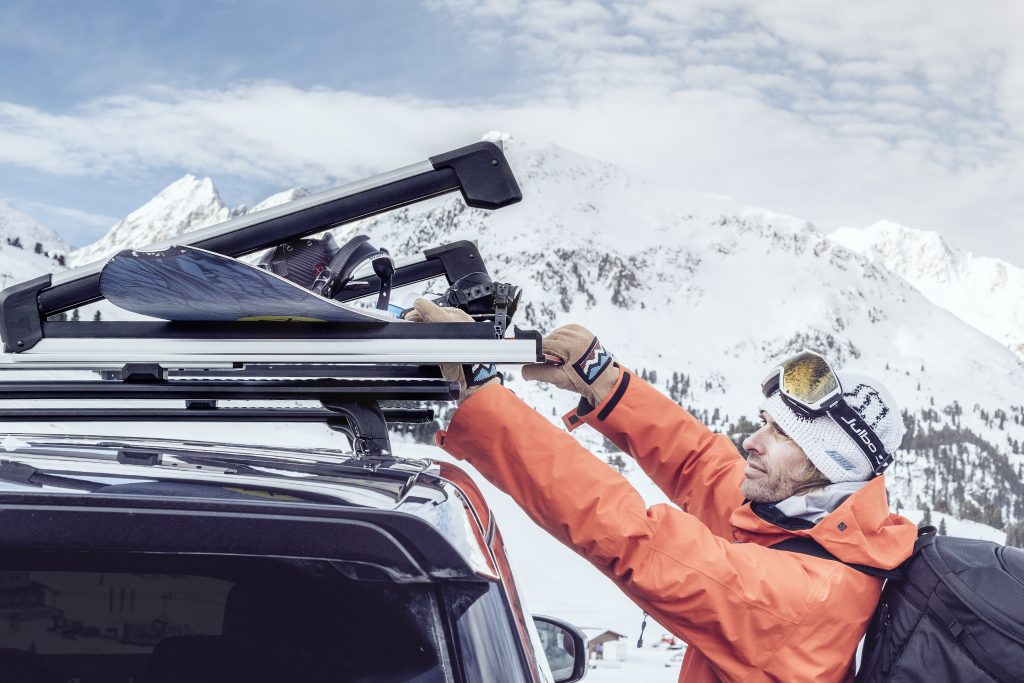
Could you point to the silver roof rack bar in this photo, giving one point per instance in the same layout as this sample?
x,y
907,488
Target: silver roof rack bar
x,y
113,353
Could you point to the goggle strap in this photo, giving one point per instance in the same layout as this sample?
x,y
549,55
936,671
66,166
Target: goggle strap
x,y
772,382
850,421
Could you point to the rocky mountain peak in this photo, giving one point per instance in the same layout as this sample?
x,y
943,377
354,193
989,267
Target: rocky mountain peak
x,y
908,251
987,293
187,204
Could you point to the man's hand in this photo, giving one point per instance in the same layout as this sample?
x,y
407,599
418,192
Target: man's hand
x,y
470,377
586,367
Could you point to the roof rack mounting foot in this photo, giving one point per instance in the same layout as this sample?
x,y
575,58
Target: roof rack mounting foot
x,y
363,422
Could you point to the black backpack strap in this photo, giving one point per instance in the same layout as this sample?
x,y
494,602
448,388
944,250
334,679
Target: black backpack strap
x,y
808,546
946,617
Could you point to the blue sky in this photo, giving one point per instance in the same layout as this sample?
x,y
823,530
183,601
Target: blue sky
x,y
62,58
60,54
841,113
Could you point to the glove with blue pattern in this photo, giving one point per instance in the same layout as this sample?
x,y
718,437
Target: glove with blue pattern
x,y
470,376
581,364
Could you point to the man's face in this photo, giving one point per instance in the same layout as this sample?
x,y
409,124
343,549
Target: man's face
x,y
772,458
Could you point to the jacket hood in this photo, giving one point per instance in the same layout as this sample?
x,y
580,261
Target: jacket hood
x,y
861,530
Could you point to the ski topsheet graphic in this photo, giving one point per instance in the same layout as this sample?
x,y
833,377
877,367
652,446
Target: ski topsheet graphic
x,y
187,283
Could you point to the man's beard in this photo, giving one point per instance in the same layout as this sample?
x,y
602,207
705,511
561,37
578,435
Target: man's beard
x,y
773,487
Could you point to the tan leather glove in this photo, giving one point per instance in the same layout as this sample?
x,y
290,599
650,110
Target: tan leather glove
x,y
470,376
586,367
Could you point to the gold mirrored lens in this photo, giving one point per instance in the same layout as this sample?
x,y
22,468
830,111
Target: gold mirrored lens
x,y
808,378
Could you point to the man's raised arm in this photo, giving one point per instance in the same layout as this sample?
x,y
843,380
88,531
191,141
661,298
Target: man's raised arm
x,y
710,592
697,469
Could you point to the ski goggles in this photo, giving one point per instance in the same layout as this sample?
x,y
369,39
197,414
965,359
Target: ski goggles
x,y
809,385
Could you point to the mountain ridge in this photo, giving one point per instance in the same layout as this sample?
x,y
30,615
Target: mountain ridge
x,y
27,247
985,292
700,294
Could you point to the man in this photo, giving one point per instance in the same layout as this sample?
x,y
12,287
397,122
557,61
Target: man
x,y
704,569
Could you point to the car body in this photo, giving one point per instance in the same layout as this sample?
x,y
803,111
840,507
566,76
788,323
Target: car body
x,y
155,560
136,559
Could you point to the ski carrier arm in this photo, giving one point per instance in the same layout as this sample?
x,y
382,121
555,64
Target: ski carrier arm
x,y
479,172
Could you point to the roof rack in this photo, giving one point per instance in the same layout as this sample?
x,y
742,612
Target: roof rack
x,y
346,368
348,398
480,172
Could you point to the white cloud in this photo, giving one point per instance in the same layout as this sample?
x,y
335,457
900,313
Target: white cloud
x,y
842,113
71,215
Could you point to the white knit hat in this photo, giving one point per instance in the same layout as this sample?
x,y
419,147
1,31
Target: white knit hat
x,y
830,448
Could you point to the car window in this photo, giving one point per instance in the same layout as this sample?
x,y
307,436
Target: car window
x,y
487,644
229,619
60,612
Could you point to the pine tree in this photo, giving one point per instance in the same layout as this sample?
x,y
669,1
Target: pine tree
x,y
942,527
618,462
97,316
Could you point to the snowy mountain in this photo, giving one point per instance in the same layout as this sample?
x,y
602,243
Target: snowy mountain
x,y
273,200
187,204
987,293
701,295
27,247
698,294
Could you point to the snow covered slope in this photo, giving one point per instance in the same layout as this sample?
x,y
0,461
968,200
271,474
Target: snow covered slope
x,y
703,295
715,292
27,247
987,293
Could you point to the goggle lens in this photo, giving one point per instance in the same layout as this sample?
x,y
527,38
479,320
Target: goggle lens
x,y
807,378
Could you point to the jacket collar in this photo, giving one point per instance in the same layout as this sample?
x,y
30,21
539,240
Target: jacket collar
x,y
860,530
817,505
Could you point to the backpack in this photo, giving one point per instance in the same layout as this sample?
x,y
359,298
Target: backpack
x,y
953,611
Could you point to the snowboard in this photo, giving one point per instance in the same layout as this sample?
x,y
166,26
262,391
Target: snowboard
x,y
187,283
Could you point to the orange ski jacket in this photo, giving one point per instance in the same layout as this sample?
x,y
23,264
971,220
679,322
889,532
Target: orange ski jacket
x,y
701,569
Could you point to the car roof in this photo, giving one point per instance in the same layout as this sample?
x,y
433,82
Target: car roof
x,y
209,475
325,475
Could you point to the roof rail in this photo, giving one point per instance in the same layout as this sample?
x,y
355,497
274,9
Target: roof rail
x,y
349,398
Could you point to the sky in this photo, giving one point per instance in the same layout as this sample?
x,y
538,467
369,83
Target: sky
x,y
838,113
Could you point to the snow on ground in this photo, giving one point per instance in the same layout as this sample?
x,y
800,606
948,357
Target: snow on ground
x,y
647,665
958,527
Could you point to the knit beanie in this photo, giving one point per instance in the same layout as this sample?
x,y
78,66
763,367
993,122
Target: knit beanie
x,y
825,443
